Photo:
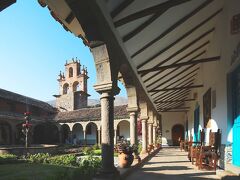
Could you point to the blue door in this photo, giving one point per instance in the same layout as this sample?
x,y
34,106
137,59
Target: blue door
x,y
196,125
236,116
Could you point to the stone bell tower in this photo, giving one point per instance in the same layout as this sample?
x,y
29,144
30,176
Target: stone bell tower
x,y
72,87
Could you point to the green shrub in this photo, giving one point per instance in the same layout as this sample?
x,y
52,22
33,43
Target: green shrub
x,y
38,158
95,147
89,165
87,150
97,152
63,160
139,148
8,156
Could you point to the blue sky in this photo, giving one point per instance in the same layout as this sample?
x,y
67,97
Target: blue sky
x,y
34,48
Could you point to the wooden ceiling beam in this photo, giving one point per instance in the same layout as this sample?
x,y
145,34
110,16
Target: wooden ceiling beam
x,y
165,94
180,82
160,8
185,35
177,88
121,7
175,69
180,100
181,50
198,61
170,29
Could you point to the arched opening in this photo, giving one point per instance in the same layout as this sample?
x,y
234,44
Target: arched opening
x,y
91,133
70,72
177,134
46,134
77,134
5,133
123,130
76,86
65,88
65,133
39,134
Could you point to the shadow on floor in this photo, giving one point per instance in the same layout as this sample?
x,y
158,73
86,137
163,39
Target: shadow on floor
x,y
231,178
155,176
163,168
161,162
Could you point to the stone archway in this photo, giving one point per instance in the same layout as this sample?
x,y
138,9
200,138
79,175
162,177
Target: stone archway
x,y
123,130
65,130
177,133
5,133
77,134
91,133
46,133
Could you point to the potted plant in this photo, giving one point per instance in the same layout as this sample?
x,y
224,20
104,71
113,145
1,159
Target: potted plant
x,y
125,156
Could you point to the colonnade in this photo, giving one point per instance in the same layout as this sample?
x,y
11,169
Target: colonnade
x,y
106,86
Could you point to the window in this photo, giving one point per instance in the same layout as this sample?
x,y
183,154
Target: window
x,y
70,72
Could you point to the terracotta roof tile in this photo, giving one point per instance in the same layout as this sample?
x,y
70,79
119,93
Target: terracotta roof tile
x,y
86,114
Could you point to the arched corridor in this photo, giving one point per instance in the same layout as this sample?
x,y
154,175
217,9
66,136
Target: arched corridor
x,y
77,134
5,133
91,133
123,130
45,134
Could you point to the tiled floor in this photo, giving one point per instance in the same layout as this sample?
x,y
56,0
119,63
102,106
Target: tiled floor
x,y
170,163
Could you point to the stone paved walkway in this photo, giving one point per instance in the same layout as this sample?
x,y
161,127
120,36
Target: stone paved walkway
x,y
172,164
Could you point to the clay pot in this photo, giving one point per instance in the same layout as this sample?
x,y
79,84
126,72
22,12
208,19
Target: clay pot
x,y
125,160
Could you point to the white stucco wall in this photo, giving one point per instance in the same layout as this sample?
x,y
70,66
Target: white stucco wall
x,y
168,121
214,74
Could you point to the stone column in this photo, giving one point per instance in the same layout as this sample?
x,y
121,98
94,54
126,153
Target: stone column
x,y
107,120
99,137
115,136
154,134
133,127
150,133
106,86
84,137
144,136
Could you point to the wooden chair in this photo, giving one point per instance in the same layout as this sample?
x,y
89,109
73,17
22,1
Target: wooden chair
x,y
195,150
209,155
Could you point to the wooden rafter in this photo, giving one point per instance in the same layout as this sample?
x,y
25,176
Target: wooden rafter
x,y
179,100
177,82
163,7
172,71
185,35
182,50
181,83
121,7
177,88
172,77
204,60
170,29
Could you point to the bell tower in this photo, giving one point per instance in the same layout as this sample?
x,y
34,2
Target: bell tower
x,y
72,87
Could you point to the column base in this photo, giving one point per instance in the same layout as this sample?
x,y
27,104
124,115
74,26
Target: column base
x,y
107,175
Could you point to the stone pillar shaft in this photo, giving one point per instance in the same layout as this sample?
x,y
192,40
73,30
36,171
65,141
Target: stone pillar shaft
x,y
133,128
107,120
150,133
144,136
154,134
115,136
99,137
84,137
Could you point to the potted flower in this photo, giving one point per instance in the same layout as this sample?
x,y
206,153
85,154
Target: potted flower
x,y
125,156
